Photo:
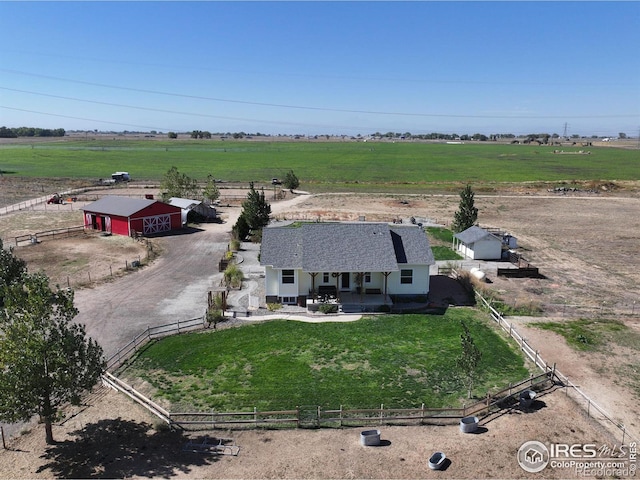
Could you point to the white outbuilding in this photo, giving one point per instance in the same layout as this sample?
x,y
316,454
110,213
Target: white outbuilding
x,y
187,205
478,244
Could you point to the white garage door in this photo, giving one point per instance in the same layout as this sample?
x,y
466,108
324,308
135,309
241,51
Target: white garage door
x,y
157,224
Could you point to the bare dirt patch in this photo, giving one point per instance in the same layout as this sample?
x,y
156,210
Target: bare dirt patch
x,y
112,438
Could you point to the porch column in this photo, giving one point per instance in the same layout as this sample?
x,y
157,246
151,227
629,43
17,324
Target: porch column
x,y
313,285
336,275
386,278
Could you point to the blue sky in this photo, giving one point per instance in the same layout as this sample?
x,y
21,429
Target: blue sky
x,y
322,67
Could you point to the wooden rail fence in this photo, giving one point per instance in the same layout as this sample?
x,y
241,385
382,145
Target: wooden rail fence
x,y
317,417
591,407
34,237
116,360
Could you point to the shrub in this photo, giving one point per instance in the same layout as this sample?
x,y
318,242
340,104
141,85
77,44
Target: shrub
x,y
235,244
214,316
273,307
328,308
233,276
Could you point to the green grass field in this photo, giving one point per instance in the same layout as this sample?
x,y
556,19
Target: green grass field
x,y
401,361
322,166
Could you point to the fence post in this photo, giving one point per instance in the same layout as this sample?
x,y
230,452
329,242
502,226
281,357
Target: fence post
x,y
255,416
422,414
381,407
341,415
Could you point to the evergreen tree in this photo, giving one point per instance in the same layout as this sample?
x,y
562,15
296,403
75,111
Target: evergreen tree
x,y
291,181
467,215
255,212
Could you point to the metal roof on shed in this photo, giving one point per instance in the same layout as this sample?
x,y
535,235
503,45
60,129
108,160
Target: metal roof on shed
x,y
184,203
474,234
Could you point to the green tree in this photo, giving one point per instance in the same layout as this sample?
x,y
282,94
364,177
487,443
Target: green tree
x,y
291,181
46,360
255,213
210,192
467,215
11,270
469,359
176,184
172,135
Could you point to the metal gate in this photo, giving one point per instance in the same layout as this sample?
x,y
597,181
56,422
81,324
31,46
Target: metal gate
x,y
157,224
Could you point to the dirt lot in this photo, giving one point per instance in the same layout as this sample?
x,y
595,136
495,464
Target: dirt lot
x,y
584,245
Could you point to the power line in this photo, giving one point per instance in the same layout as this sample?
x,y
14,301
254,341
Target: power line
x,y
84,119
302,107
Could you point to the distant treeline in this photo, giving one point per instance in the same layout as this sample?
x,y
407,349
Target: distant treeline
x,y
30,132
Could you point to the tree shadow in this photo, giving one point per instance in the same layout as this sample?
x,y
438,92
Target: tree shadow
x,y
118,448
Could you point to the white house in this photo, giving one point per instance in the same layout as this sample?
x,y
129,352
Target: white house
x,y
344,259
478,244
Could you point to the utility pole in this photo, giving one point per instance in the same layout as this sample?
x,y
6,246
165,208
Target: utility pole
x,y
565,130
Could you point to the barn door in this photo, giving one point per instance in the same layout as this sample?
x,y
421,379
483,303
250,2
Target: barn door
x,y
157,224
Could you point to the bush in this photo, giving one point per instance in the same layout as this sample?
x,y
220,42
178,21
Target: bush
x,y
273,307
233,276
328,308
235,244
214,316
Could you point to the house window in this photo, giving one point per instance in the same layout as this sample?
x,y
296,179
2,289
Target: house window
x,y
406,276
325,277
367,277
288,276
288,300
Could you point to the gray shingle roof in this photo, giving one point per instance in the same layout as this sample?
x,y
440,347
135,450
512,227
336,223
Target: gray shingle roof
x,y
344,247
473,234
119,206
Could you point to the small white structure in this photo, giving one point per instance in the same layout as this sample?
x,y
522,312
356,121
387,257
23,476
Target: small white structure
x,y
187,205
478,244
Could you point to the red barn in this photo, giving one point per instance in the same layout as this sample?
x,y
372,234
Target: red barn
x,y
125,215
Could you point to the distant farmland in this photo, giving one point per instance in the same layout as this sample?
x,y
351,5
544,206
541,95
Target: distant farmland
x,y
355,166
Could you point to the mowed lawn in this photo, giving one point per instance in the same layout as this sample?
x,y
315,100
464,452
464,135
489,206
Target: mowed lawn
x,y
321,166
400,361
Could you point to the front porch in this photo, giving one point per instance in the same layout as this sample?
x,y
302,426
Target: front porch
x,y
351,302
